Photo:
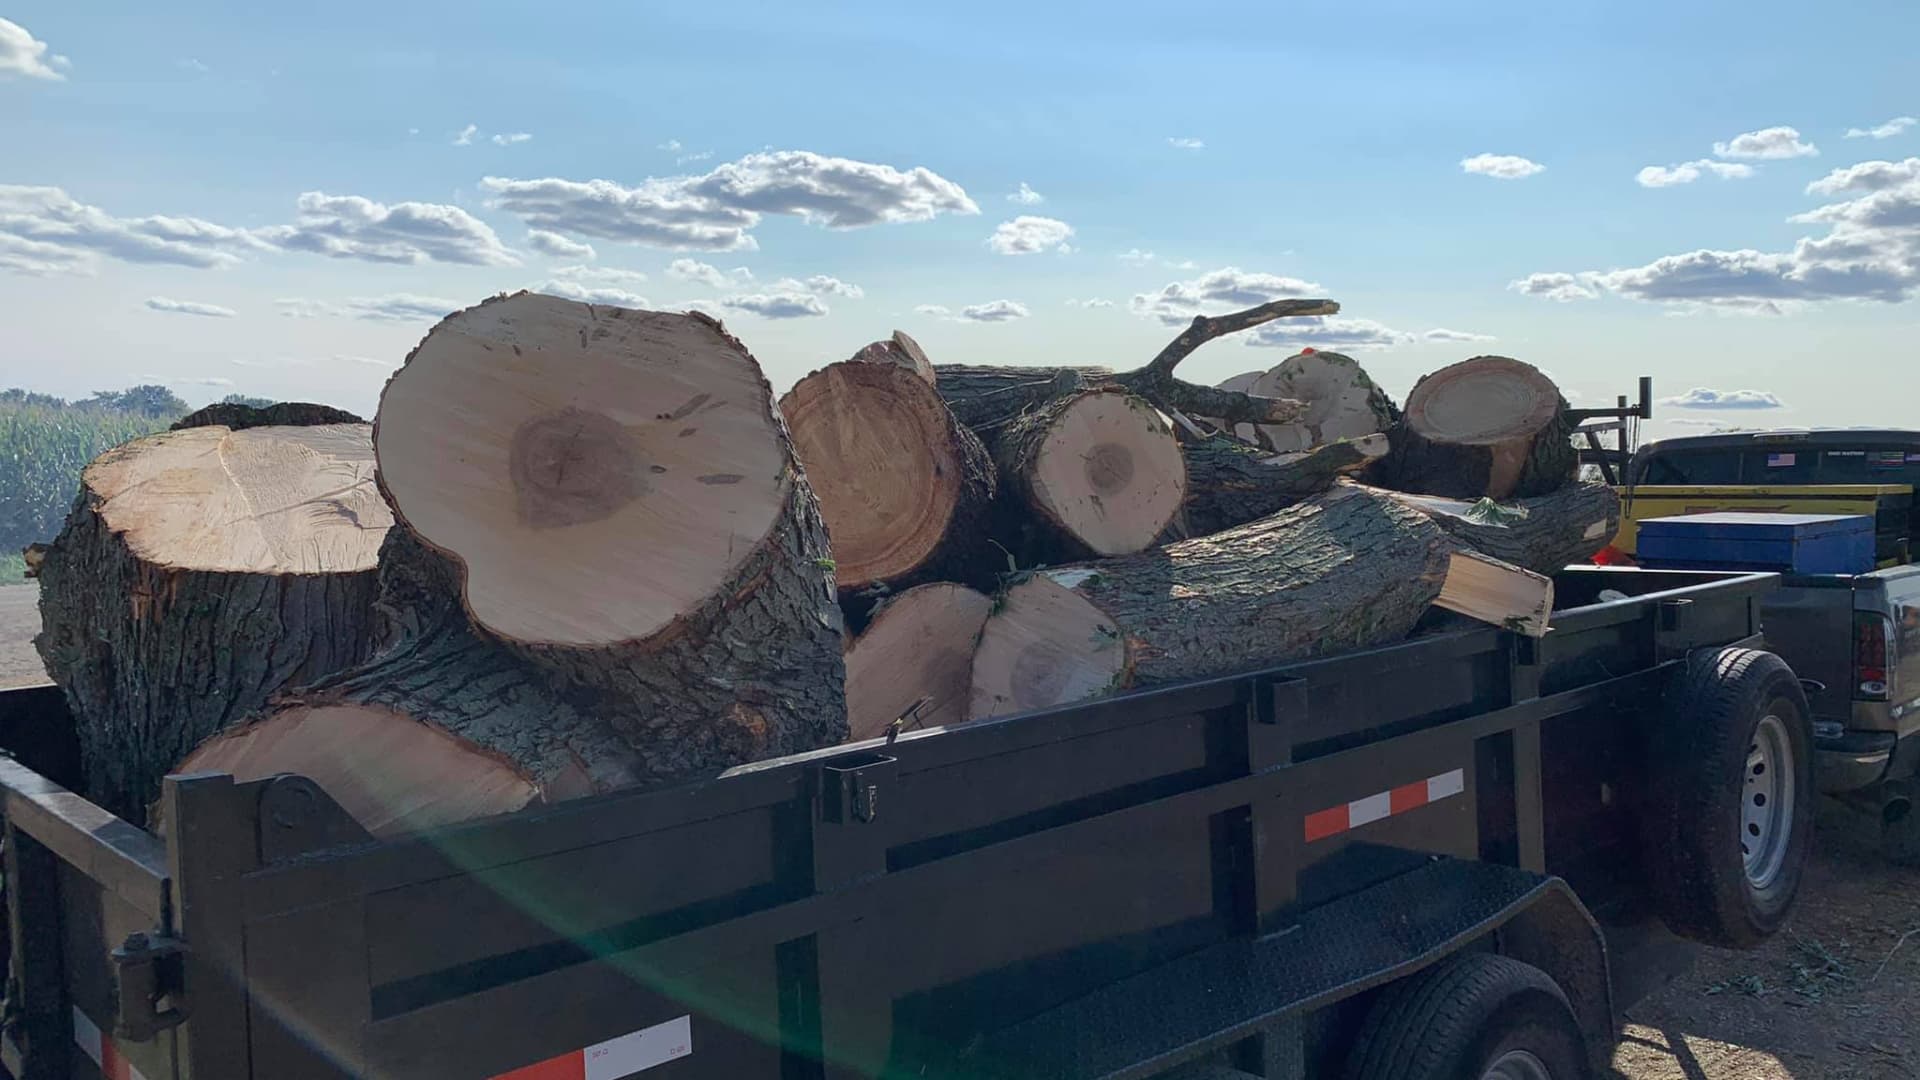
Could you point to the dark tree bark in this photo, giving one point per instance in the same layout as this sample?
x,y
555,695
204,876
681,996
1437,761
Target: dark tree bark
x,y
280,414
1230,483
987,399
1490,426
159,644
1543,534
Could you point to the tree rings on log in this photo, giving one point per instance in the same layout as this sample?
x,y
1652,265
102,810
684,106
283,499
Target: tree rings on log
x,y
1101,469
1490,426
915,660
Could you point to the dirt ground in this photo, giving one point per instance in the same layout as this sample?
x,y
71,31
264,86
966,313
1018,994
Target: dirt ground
x,y
19,621
1835,996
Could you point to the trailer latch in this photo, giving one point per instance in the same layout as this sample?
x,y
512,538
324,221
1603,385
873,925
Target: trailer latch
x,y
148,967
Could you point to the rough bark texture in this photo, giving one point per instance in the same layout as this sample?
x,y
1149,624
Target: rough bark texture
x,y
1534,460
279,414
1230,483
1346,570
987,399
1343,401
1541,534
153,660
828,435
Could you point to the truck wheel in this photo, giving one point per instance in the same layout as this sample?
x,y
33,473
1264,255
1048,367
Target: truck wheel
x,y
1476,1016
1729,820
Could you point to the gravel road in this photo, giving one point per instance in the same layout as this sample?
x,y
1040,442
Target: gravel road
x,y
19,621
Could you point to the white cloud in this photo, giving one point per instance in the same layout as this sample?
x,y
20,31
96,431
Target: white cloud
x,y
991,312
24,55
193,65
352,227
783,305
552,243
1868,176
1767,144
465,138
1555,286
1185,143
1885,131
1216,292
1094,302
1136,257
43,230
393,307
1026,196
509,139
706,274
684,159
1658,176
718,210
671,146
574,289
1501,166
187,380
190,307
823,285
1327,332
272,362
1702,398
1029,235
1441,333
346,358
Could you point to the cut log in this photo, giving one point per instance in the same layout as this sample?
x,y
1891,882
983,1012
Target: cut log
x,y
900,351
1240,384
623,503
987,399
915,660
444,725
904,488
1543,534
1342,402
1490,426
1094,473
1349,569
1230,483
200,572
237,417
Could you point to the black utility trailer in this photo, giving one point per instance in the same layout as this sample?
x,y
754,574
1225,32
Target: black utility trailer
x,y
1403,862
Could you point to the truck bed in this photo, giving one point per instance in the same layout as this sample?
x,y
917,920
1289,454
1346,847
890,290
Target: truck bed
x,y
952,902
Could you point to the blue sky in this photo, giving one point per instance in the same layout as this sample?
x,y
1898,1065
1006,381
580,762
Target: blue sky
x,y
306,172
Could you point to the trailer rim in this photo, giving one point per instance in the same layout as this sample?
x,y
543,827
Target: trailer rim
x,y
1517,1065
1767,802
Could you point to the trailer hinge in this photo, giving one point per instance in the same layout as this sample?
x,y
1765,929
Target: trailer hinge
x,y
152,994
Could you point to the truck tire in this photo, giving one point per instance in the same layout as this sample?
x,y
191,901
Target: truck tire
x,y
1728,821
1476,1016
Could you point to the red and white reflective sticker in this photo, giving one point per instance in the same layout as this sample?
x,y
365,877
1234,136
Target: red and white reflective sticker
x,y
628,1055
1338,819
100,1048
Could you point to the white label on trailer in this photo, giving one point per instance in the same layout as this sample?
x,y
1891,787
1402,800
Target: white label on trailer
x,y
640,1051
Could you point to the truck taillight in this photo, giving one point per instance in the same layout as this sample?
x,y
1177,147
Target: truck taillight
x,y
1871,636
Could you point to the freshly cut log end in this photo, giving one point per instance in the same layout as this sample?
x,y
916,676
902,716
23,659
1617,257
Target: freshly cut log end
x,y
1348,569
598,472
916,657
1100,469
200,572
1542,534
1342,401
1497,593
1490,426
392,773
904,489
899,350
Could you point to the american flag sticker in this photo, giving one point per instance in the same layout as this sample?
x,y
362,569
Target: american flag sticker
x,y
1781,461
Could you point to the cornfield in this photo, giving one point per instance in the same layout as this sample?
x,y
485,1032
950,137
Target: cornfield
x,y
43,449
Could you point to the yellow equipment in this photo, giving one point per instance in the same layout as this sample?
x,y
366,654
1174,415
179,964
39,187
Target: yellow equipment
x,y
1888,504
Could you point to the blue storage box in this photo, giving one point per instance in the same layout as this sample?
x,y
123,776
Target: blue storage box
x,y
1787,543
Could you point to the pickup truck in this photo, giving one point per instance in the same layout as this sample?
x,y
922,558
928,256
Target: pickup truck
x,y
1854,640
1460,855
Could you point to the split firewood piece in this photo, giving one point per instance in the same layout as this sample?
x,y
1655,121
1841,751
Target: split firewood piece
x,y
1502,594
625,508
915,660
905,489
1343,402
1545,534
1490,426
1230,483
900,351
1349,569
1094,473
446,724
200,572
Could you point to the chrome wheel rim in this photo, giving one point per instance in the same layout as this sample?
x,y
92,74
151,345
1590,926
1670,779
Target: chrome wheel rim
x,y
1517,1065
1766,802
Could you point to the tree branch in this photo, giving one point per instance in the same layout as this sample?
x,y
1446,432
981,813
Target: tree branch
x,y
1204,329
1156,383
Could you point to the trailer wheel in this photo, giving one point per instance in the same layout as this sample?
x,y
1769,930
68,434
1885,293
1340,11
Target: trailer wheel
x,y
1726,834
1476,1016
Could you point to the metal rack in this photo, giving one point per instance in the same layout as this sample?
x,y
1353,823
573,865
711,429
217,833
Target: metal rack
x,y
1623,419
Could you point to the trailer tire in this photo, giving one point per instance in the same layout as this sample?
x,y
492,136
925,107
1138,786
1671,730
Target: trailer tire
x,y
1729,821
1463,1017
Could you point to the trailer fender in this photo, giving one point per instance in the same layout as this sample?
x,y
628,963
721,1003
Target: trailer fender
x,y
1558,936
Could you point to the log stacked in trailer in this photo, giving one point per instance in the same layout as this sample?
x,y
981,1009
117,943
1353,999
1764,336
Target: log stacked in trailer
x,y
599,556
